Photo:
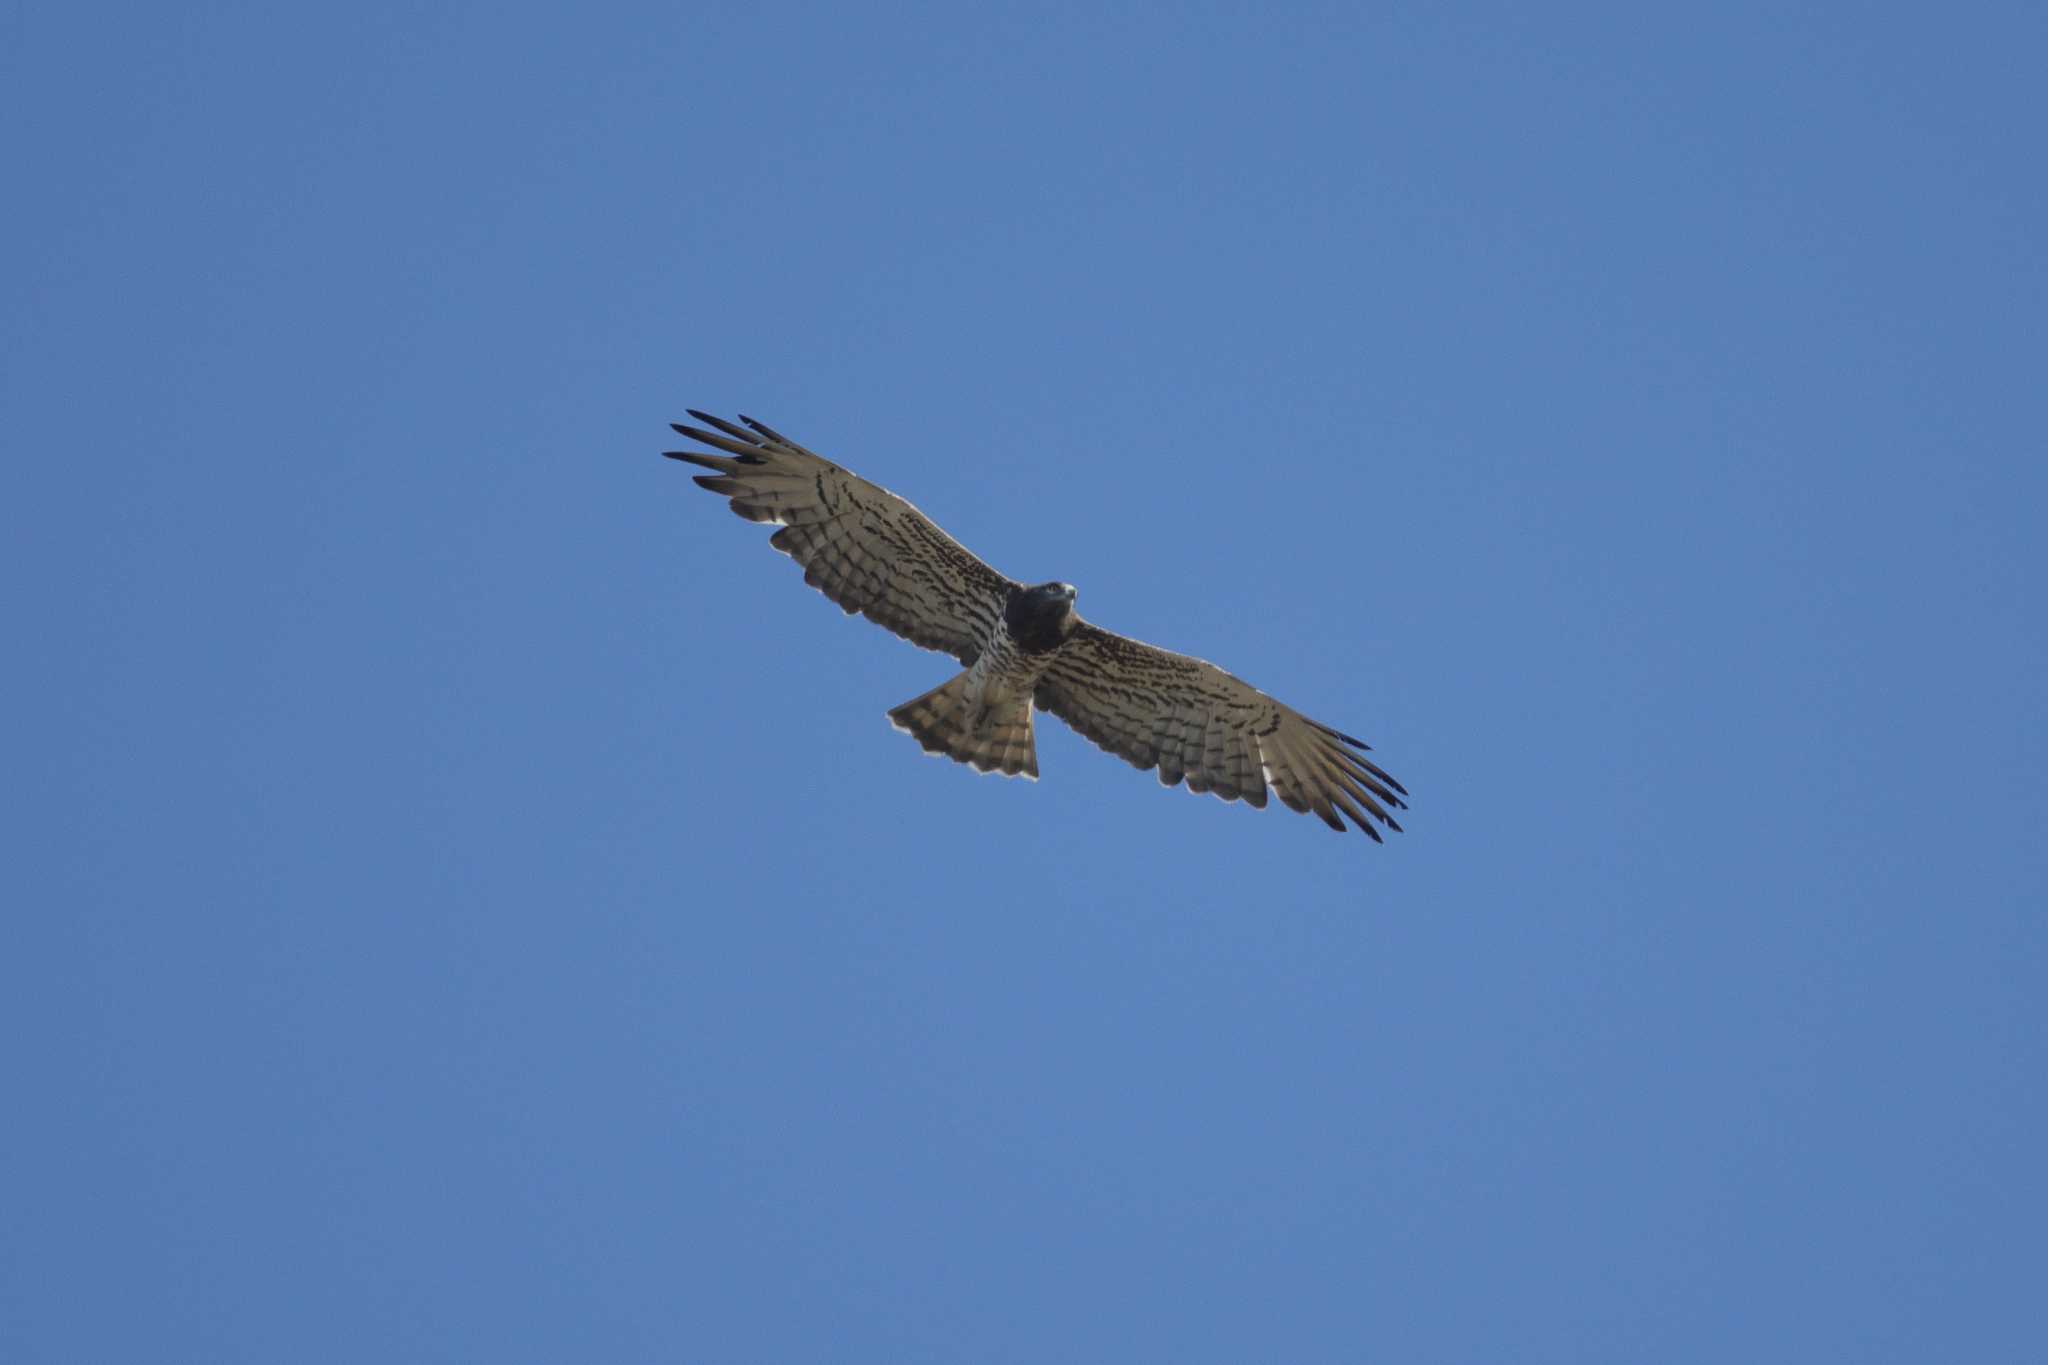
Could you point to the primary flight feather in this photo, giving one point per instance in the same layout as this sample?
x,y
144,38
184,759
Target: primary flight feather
x,y
875,554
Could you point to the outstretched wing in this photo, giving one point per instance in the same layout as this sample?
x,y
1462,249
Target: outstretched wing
x,y
1190,719
860,545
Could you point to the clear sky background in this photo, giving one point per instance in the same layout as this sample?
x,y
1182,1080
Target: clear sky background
x,y
468,904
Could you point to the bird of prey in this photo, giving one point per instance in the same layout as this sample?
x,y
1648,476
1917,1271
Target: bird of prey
x,y
1024,646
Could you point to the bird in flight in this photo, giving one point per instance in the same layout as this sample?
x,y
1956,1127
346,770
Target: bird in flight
x,y
1024,646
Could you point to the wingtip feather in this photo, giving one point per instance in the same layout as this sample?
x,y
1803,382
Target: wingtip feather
x,y
764,429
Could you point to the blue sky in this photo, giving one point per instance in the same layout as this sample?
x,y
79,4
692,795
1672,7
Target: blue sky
x,y
470,905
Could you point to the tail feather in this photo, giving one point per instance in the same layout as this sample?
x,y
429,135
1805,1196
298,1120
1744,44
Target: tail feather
x,y
946,720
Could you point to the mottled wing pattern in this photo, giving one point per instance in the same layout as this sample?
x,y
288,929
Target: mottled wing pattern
x,y
1191,720
860,545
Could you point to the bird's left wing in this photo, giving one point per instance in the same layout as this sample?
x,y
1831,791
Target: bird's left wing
x,y
1189,719
861,545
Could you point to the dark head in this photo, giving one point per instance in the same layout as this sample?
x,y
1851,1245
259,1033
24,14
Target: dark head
x,y
1039,618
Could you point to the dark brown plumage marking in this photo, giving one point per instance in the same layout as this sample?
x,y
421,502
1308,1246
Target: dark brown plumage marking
x,y
1025,647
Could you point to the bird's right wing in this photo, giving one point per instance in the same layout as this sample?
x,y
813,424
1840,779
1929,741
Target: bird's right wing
x,y
861,545
1189,719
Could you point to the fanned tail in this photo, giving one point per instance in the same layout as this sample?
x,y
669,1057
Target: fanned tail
x,y
947,720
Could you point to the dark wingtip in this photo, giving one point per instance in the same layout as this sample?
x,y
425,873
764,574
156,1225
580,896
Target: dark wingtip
x,y
1381,773
764,429
748,452
717,462
1352,740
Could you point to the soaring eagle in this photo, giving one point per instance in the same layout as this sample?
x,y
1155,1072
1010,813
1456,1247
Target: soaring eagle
x,y
873,553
